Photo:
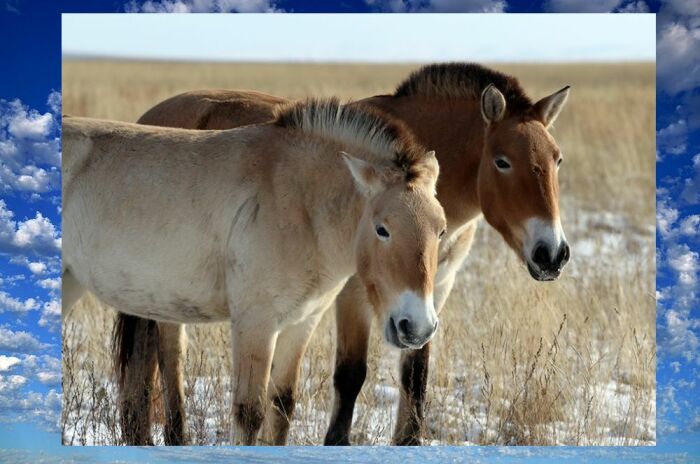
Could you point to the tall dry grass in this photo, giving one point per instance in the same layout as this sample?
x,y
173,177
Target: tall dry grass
x,y
515,361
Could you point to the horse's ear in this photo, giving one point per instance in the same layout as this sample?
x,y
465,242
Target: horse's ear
x,y
549,107
493,104
367,178
432,169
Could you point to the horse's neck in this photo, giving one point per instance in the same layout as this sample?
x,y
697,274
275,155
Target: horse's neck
x,y
333,204
455,130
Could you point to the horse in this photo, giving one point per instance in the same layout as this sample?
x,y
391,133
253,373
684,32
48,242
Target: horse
x,y
261,226
498,161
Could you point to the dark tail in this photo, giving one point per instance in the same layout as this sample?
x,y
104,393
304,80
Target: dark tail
x,y
135,348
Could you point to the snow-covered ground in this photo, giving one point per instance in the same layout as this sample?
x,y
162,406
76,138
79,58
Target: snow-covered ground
x,y
596,359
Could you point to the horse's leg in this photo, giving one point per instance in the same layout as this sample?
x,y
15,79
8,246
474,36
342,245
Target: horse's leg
x,y
414,363
414,378
135,348
253,345
286,366
71,291
172,348
353,322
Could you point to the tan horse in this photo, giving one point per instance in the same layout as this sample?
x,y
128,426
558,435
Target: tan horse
x,y
261,226
497,158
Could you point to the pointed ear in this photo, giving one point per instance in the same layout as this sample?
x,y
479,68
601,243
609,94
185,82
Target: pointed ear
x,y
549,107
432,170
493,104
367,178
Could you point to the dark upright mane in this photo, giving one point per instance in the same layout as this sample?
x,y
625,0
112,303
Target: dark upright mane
x,y
463,80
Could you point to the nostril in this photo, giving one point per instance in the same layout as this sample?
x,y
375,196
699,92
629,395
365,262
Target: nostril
x,y
564,253
541,255
404,326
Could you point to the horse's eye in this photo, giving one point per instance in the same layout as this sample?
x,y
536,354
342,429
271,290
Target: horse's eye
x,y
382,232
559,161
501,164
442,234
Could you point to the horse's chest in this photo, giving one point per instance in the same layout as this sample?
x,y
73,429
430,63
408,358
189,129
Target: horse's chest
x,y
313,300
454,251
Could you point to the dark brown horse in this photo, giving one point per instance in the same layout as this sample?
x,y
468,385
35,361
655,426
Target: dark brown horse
x,y
496,158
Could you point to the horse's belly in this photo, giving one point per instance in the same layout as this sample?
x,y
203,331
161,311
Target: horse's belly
x,y
154,300
163,283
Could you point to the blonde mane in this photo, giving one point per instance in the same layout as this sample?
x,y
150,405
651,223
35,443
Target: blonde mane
x,y
463,80
387,138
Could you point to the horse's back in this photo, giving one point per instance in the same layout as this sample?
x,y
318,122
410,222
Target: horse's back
x,y
146,215
213,109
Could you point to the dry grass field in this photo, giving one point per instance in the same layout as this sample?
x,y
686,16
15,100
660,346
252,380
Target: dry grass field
x,y
515,361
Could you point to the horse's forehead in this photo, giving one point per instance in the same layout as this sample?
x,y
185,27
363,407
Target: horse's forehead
x,y
409,204
532,137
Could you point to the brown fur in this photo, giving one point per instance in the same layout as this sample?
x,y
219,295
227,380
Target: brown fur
x,y
441,104
463,81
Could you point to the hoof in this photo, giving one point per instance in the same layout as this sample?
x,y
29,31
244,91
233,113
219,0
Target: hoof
x,y
408,441
336,441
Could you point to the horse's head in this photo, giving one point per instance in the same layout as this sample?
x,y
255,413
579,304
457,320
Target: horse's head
x,y
518,180
397,245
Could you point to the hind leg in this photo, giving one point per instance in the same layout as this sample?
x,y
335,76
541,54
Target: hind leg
x,y
172,348
137,370
286,367
71,291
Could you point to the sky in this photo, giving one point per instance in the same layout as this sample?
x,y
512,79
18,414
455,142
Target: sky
x,y
30,233
363,38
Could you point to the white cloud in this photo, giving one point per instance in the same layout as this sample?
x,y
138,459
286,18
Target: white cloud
x,y
28,140
634,7
676,366
28,124
15,305
673,138
682,7
682,259
439,6
201,6
46,369
582,6
18,341
685,263
691,185
54,102
8,362
10,280
50,284
30,178
37,267
11,383
689,225
678,335
37,235
19,405
666,217
668,401
49,378
51,315
678,57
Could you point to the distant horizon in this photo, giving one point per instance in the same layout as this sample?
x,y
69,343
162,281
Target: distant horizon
x,y
372,38
90,57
